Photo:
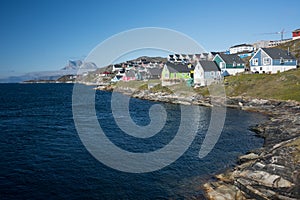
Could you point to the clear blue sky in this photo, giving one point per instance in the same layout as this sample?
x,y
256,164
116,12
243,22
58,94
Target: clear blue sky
x,y
42,35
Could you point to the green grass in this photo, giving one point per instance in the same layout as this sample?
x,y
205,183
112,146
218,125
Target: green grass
x,y
296,153
160,88
281,86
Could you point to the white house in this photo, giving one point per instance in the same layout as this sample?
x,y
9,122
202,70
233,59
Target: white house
x,y
272,60
241,48
117,67
206,73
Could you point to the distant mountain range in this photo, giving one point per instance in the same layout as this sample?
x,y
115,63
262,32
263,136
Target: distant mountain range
x,y
71,68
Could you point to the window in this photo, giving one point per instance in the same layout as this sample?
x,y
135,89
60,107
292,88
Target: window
x,y
166,75
267,61
255,61
281,61
222,65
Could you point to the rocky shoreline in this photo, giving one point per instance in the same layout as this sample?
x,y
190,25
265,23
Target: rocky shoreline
x,y
271,172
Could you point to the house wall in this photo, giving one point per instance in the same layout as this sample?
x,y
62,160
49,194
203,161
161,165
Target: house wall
x,y
256,56
286,62
234,71
218,60
239,49
273,69
237,66
199,75
179,75
296,35
165,74
126,78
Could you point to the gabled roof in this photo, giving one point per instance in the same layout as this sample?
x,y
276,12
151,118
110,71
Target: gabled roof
x,y
276,53
230,58
155,71
181,68
209,66
197,55
190,56
130,73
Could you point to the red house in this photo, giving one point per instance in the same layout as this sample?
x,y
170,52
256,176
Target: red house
x,y
296,34
129,76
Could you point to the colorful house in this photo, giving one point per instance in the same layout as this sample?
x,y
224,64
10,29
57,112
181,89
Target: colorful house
x,y
272,60
154,73
173,73
206,73
296,34
241,48
230,64
129,76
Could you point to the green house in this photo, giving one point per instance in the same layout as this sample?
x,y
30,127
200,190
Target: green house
x,y
230,64
173,72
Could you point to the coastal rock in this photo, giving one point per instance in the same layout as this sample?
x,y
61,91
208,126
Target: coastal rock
x,y
247,157
271,172
266,179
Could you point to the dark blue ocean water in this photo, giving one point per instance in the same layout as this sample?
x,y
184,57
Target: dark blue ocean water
x,y
42,156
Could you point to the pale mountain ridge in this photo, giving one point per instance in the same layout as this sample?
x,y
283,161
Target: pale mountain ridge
x,y
72,68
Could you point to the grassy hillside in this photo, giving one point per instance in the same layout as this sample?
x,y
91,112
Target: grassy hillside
x,y
293,46
281,86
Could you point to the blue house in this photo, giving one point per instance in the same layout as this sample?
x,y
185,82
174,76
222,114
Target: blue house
x,y
272,60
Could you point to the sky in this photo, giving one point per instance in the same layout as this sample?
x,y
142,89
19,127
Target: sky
x,y
42,35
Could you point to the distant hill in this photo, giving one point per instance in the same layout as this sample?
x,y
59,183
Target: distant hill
x,y
72,68
151,59
78,64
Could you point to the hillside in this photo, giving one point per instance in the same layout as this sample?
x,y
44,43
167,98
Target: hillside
x,y
281,86
293,46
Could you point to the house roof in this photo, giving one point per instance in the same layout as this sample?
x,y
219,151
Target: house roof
x,y
181,68
276,53
241,45
130,73
230,58
297,30
209,66
118,66
190,56
155,71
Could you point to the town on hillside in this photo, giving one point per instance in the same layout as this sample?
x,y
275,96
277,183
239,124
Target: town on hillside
x,y
196,70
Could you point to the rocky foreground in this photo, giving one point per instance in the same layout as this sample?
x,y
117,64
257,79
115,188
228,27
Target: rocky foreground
x,y
271,172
